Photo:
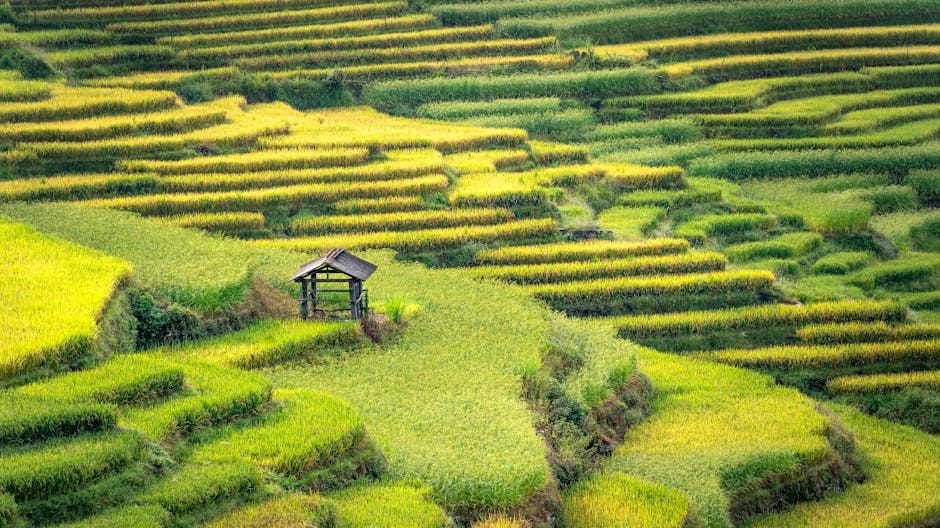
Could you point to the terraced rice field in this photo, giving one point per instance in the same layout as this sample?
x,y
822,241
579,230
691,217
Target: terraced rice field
x,y
706,189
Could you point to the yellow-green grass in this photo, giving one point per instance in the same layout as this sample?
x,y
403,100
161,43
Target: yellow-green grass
x,y
468,109
871,118
630,223
231,222
756,317
589,250
899,272
398,221
257,20
198,271
879,383
255,200
905,134
700,228
611,499
424,240
382,40
802,62
770,42
25,419
270,342
901,488
502,189
783,246
486,160
64,464
321,31
853,355
616,267
76,103
263,160
119,517
858,332
390,505
424,52
42,321
734,432
22,91
456,354
307,430
198,483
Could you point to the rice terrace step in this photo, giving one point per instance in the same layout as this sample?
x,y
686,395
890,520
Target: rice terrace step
x,y
645,264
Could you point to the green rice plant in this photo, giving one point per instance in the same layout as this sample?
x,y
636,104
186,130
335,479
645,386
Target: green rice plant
x,y
669,198
146,55
872,118
63,464
486,160
900,484
607,499
298,31
307,431
120,517
197,271
835,333
24,91
42,322
486,457
80,103
669,130
232,222
202,482
926,185
294,510
257,20
905,134
700,46
857,355
591,296
125,379
841,263
784,246
700,228
306,46
519,231
628,177
588,84
215,395
436,51
900,272
468,109
631,23
392,505
162,80
801,62
379,205
756,317
461,13
78,15
497,189
826,205
815,163
564,125
550,153
26,419
567,271
252,161
880,383
368,172
397,221
897,226
589,250
60,38
291,196
630,223
926,235
270,342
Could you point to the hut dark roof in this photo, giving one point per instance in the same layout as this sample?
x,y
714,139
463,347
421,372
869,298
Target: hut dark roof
x,y
339,260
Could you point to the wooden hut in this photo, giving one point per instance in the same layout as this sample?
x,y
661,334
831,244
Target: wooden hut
x,y
322,280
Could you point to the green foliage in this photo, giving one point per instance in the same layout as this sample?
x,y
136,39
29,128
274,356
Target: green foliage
x,y
26,419
393,505
290,511
200,483
608,498
841,263
783,246
630,223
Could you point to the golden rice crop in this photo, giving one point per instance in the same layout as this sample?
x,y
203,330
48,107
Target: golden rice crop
x,y
504,189
756,317
860,332
397,221
158,10
425,240
836,356
397,54
567,271
22,91
77,187
85,57
549,153
379,205
594,249
161,80
263,160
486,160
335,30
606,499
257,20
293,196
73,103
878,383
